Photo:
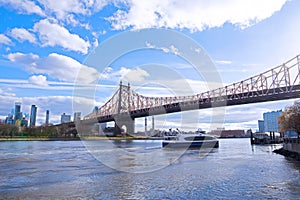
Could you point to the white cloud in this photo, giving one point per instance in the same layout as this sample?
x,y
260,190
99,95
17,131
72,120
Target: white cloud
x,y
4,39
25,59
39,80
66,68
56,66
71,19
171,49
99,4
52,34
6,93
26,6
194,15
64,8
95,43
137,74
128,75
22,34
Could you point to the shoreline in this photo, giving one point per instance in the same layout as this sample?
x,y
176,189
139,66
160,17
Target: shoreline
x,y
288,154
4,139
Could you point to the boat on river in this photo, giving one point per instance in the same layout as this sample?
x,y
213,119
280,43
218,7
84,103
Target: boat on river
x,y
177,139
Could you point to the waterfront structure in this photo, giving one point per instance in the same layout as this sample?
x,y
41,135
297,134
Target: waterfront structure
x,y
33,112
222,133
271,121
232,133
47,117
266,138
77,116
65,118
18,114
146,126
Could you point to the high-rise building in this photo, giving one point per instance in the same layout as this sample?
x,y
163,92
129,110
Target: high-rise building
x,y
47,117
24,122
65,118
77,116
271,121
9,119
33,115
18,115
261,126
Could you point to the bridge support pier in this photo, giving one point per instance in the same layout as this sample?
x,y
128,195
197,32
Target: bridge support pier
x,y
121,121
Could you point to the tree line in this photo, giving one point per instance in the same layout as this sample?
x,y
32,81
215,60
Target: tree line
x,y
55,131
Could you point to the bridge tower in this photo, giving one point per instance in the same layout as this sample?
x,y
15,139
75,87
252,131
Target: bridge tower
x,y
123,118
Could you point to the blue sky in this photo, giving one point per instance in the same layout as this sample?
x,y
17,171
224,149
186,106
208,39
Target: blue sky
x,y
45,43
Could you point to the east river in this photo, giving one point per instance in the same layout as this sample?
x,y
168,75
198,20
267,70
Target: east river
x,y
144,170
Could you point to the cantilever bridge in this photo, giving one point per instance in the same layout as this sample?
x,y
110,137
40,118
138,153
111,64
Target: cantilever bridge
x,y
279,83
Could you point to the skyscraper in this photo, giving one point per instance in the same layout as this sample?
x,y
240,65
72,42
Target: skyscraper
x,y
47,117
77,116
18,115
261,126
33,115
65,118
271,121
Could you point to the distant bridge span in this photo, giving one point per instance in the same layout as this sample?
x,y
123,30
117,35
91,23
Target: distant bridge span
x,y
279,83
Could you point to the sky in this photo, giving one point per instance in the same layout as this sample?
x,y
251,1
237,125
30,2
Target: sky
x,y
46,46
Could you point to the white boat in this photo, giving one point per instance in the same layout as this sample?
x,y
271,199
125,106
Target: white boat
x,y
176,139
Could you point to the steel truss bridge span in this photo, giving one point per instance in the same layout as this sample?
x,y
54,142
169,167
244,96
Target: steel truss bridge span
x,y
279,83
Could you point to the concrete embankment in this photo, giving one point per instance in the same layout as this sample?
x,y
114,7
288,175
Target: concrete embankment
x,y
291,148
287,153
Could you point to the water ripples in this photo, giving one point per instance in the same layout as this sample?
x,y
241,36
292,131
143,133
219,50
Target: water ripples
x,y
55,170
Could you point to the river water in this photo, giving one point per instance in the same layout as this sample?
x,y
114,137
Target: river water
x,y
143,170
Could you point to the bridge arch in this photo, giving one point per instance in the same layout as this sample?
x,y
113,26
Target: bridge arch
x,y
125,122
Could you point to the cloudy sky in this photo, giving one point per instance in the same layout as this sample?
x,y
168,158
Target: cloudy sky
x,y
46,44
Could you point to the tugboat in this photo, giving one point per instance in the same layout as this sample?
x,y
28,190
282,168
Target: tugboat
x,y
177,139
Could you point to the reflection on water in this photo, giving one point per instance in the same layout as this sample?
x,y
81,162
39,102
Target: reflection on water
x,y
67,169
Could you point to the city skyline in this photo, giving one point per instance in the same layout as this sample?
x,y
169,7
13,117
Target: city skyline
x,y
17,113
44,46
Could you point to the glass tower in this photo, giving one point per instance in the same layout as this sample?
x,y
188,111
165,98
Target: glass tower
x,y
271,121
33,115
18,115
47,117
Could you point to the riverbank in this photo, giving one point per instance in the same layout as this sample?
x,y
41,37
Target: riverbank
x,y
78,138
286,153
3,139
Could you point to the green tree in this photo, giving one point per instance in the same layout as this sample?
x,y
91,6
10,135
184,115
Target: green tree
x,y
290,118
